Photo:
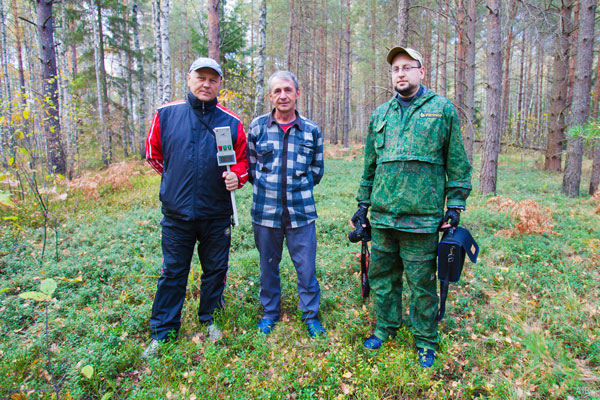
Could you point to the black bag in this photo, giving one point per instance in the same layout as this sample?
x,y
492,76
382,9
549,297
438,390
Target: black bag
x,y
455,243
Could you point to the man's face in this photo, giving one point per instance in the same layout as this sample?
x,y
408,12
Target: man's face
x,y
406,83
204,83
283,95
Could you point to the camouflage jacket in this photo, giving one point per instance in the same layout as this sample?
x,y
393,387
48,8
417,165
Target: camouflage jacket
x,y
414,163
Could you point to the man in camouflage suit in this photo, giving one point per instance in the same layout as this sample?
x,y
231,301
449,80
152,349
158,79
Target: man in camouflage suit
x,y
414,163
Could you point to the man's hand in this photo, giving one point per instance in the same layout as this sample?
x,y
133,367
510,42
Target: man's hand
x,y
452,215
360,217
231,180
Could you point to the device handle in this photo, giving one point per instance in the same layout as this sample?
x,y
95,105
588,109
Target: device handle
x,y
235,216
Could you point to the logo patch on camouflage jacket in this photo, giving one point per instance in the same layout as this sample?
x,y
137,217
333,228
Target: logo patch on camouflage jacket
x,y
430,115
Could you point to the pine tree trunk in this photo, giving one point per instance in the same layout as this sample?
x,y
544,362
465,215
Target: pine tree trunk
x,y
444,57
519,112
166,51
259,100
581,95
507,62
213,30
459,68
347,67
322,73
489,166
469,127
402,22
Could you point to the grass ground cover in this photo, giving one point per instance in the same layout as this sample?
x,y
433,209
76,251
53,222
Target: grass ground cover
x,y
524,322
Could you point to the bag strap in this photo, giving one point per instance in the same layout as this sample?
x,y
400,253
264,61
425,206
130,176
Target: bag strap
x,y
443,295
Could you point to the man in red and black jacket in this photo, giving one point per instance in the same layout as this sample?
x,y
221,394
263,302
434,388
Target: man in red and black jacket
x,y
194,192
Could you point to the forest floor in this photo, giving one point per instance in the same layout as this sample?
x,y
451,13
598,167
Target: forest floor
x,y
524,322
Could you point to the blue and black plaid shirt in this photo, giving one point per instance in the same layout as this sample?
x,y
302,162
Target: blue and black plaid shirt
x,y
304,169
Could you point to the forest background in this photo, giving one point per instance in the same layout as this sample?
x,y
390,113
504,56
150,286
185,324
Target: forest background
x,y
79,82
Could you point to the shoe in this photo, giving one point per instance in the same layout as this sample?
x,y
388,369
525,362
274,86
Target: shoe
x,y
315,328
151,350
214,332
373,343
426,357
266,326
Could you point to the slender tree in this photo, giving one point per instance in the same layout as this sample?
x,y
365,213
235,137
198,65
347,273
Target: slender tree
x,y
165,50
260,61
581,96
140,78
403,6
469,127
45,25
347,69
213,30
489,165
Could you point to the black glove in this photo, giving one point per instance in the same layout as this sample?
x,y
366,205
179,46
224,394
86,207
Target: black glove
x,y
452,215
360,217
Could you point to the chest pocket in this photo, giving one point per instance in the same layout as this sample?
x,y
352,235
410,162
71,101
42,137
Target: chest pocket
x,y
265,156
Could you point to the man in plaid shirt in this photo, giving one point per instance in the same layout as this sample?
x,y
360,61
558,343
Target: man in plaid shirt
x,y
281,144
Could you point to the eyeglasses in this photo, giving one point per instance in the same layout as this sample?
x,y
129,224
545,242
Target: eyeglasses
x,y
406,68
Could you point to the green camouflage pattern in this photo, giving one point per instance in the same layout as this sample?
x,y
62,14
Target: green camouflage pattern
x,y
394,253
414,163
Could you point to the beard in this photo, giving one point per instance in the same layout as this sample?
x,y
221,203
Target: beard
x,y
407,91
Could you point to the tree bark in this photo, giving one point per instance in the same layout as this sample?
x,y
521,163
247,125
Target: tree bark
x,y
158,69
54,149
347,67
581,95
507,58
403,22
140,77
444,57
95,12
9,140
166,51
459,65
469,127
489,166
214,39
259,100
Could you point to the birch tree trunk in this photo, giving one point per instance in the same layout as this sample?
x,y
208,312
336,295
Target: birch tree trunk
x,y
403,22
581,96
213,30
98,64
141,86
259,100
158,69
489,166
165,50
66,110
8,140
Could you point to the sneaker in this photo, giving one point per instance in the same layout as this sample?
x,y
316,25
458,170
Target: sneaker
x,y
266,326
151,350
426,357
315,328
373,343
214,332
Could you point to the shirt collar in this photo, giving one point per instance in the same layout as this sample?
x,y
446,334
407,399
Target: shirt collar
x,y
272,120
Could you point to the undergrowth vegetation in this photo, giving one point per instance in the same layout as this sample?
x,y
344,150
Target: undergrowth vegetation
x,y
524,322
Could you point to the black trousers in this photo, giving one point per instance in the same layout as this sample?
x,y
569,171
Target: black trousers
x,y
178,240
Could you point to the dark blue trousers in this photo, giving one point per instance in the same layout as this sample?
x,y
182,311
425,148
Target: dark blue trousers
x,y
302,246
178,240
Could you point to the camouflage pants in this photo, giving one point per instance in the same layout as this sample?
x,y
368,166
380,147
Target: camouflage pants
x,y
394,253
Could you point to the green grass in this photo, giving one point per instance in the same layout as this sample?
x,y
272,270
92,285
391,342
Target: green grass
x,y
524,322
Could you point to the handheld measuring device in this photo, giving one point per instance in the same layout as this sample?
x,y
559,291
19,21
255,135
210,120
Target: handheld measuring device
x,y
226,157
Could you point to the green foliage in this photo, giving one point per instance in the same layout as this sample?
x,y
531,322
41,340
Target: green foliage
x,y
589,132
522,323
